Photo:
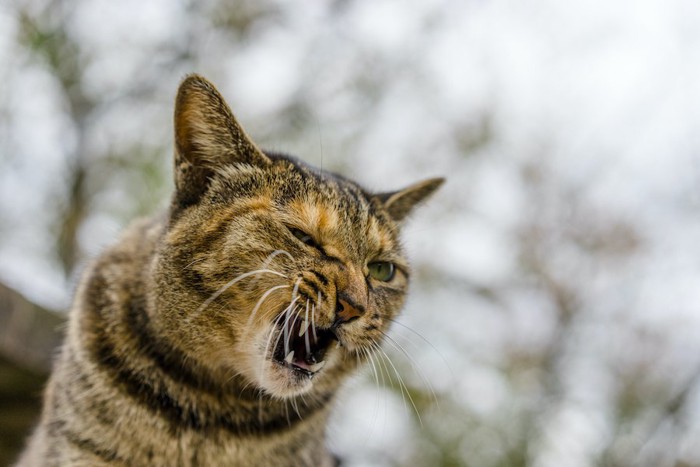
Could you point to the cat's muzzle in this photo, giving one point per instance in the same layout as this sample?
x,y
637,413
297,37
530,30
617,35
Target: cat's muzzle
x,y
302,346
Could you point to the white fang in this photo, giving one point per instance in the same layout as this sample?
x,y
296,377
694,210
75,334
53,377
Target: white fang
x,y
303,328
289,357
316,367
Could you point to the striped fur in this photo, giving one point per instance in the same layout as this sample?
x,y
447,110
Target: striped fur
x,y
173,351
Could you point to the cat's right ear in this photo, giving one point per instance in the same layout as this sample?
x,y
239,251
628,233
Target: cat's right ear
x,y
399,204
207,137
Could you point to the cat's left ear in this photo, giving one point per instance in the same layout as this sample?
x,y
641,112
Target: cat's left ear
x,y
399,204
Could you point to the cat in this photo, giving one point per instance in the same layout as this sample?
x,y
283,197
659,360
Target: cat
x,y
220,332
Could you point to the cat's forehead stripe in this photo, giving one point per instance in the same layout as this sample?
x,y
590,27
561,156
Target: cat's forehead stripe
x,y
378,238
324,180
317,216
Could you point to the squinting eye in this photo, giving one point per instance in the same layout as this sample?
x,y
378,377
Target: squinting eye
x,y
304,237
382,271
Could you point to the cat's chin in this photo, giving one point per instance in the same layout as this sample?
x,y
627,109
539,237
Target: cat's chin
x,y
280,365
295,354
283,379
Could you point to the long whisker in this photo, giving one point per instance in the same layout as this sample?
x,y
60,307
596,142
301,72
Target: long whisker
x,y
408,328
376,378
306,333
266,263
295,290
274,254
269,340
295,297
371,361
275,323
313,315
296,408
381,375
262,299
384,370
230,283
402,384
413,363
285,328
286,331
287,314
375,409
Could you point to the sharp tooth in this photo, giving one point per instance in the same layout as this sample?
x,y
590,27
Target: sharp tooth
x,y
289,357
303,328
314,368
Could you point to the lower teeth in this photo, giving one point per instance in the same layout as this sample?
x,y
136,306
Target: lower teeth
x,y
317,366
290,357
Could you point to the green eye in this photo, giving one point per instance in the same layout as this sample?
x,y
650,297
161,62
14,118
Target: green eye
x,y
382,271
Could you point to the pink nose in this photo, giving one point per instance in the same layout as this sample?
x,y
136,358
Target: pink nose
x,y
347,311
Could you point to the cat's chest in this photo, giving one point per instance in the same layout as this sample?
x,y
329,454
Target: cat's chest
x,y
144,442
193,449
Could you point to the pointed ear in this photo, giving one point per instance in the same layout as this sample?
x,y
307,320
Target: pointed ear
x,y
400,203
207,137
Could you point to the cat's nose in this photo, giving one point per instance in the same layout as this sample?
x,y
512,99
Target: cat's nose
x,y
347,310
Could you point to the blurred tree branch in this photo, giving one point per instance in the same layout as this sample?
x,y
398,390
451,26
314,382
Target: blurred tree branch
x,y
28,333
46,37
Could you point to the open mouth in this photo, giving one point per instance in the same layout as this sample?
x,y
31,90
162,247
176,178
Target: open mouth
x,y
301,347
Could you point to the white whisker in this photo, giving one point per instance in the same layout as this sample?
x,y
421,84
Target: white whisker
x,y
371,361
230,283
266,263
286,313
313,315
274,254
262,299
402,385
286,331
442,357
269,340
381,373
289,309
295,290
384,370
414,365
368,354
296,408
306,333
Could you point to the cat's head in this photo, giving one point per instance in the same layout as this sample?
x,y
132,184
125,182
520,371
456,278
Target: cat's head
x,y
271,270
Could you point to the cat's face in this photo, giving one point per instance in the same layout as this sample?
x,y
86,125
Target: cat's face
x,y
274,271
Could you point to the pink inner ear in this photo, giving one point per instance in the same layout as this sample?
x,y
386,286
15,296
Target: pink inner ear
x,y
206,132
184,137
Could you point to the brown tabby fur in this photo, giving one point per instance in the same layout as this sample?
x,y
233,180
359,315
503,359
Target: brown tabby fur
x,y
169,357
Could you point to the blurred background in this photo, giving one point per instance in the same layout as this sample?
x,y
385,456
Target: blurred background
x,y
555,314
